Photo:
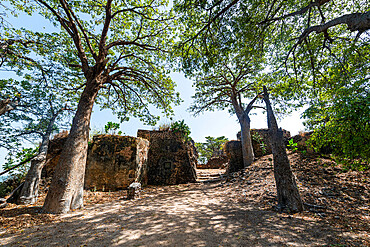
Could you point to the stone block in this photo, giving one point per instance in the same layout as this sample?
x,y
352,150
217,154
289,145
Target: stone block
x,y
114,162
233,150
171,160
133,191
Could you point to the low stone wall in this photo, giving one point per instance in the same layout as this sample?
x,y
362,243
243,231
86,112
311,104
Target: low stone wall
x,y
214,163
170,160
114,162
301,140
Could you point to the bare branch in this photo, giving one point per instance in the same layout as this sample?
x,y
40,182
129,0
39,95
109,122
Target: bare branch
x,y
298,12
356,22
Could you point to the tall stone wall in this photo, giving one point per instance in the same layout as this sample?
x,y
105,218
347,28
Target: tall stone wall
x,y
170,160
114,162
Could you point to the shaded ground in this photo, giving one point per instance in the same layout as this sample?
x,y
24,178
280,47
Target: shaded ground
x,y
237,212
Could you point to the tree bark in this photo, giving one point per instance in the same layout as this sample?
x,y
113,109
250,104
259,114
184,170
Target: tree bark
x,y
7,105
245,125
287,190
246,140
30,188
66,189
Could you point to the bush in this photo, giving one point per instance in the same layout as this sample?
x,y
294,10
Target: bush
x,y
182,128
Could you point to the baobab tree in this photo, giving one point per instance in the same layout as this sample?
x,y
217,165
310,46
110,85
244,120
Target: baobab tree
x,y
118,50
230,81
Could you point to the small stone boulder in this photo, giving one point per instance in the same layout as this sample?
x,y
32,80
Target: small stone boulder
x,y
133,191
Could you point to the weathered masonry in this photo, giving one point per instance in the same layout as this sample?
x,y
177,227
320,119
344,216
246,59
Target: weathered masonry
x,y
171,160
114,162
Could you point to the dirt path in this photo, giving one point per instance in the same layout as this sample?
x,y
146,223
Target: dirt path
x,y
184,215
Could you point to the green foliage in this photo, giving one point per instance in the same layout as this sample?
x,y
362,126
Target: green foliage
x,y
182,128
212,147
15,157
341,122
163,127
258,138
10,184
111,128
127,49
15,177
293,146
352,165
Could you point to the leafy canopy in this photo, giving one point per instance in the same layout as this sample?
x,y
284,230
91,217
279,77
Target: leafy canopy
x,y
127,41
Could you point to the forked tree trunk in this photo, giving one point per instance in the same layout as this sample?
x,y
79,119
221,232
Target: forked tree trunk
x,y
30,189
245,124
287,190
246,140
66,189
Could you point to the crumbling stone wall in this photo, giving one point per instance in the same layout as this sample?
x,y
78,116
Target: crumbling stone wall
x,y
218,162
114,162
171,160
301,140
233,150
261,146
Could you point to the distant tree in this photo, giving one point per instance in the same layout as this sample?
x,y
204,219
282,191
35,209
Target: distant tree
x,y
118,51
111,128
211,148
39,113
225,86
224,68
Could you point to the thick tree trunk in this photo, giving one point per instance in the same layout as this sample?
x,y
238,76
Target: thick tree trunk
x,y
246,140
30,188
66,189
287,190
245,124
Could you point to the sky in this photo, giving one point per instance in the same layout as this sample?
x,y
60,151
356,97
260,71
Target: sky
x,y
219,123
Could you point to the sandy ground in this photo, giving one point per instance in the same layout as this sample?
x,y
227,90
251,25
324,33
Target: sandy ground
x,y
185,215
236,212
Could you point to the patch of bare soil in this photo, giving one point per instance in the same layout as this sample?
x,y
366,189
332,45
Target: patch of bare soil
x,y
239,211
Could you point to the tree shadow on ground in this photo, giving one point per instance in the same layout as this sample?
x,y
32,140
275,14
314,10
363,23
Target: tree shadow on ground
x,y
194,216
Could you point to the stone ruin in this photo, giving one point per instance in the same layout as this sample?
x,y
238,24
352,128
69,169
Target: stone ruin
x,y
260,138
217,162
171,160
233,150
114,162
261,146
54,149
